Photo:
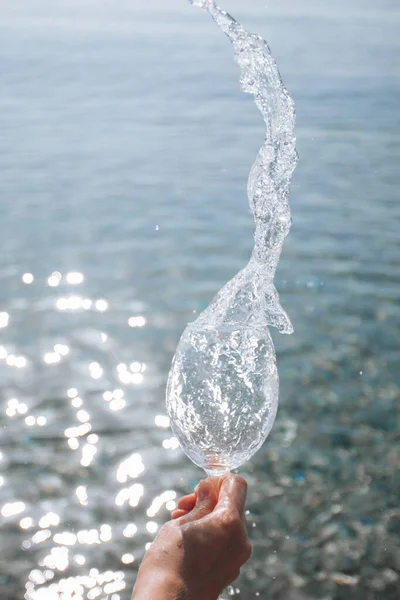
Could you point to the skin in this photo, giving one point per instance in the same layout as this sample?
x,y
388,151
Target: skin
x,y
201,550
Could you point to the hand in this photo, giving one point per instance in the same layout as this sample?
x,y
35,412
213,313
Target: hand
x,y
201,551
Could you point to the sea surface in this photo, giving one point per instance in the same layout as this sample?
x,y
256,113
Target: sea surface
x,y
125,145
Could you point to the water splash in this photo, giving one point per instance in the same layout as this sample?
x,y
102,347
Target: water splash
x,y
223,388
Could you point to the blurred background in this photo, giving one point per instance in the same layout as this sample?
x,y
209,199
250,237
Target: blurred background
x,y
125,146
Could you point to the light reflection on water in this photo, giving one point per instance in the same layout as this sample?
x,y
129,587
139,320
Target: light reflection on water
x,y
89,587
59,549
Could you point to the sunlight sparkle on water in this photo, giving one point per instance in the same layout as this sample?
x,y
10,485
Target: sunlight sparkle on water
x,y
81,587
152,527
96,370
81,494
11,509
54,279
58,547
77,402
10,360
41,536
50,519
58,559
171,443
101,305
87,303
75,278
117,404
22,408
158,502
88,453
105,533
88,537
26,523
115,586
52,358
12,407
62,349
117,401
37,576
74,303
131,374
130,468
75,432
73,443
83,416
137,321
127,559
16,361
132,495
49,574
162,421
130,530
65,539
27,278
4,319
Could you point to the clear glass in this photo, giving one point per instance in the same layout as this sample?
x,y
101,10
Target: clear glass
x,y
222,395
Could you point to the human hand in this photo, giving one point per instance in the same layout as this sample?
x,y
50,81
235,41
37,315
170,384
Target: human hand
x,y
201,551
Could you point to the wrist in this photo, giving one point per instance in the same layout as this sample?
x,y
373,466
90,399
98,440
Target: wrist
x,y
159,584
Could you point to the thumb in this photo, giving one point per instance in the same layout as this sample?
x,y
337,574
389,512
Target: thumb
x,y
206,494
232,493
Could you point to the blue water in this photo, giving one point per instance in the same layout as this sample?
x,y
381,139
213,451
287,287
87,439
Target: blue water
x,y
125,145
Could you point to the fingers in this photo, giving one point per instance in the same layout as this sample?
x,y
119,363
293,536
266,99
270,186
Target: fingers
x,y
227,492
206,502
187,502
184,506
177,514
232,493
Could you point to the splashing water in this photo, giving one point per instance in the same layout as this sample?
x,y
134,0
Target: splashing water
x,y
223,388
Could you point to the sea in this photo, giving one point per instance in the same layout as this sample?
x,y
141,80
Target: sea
x,y
125,147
